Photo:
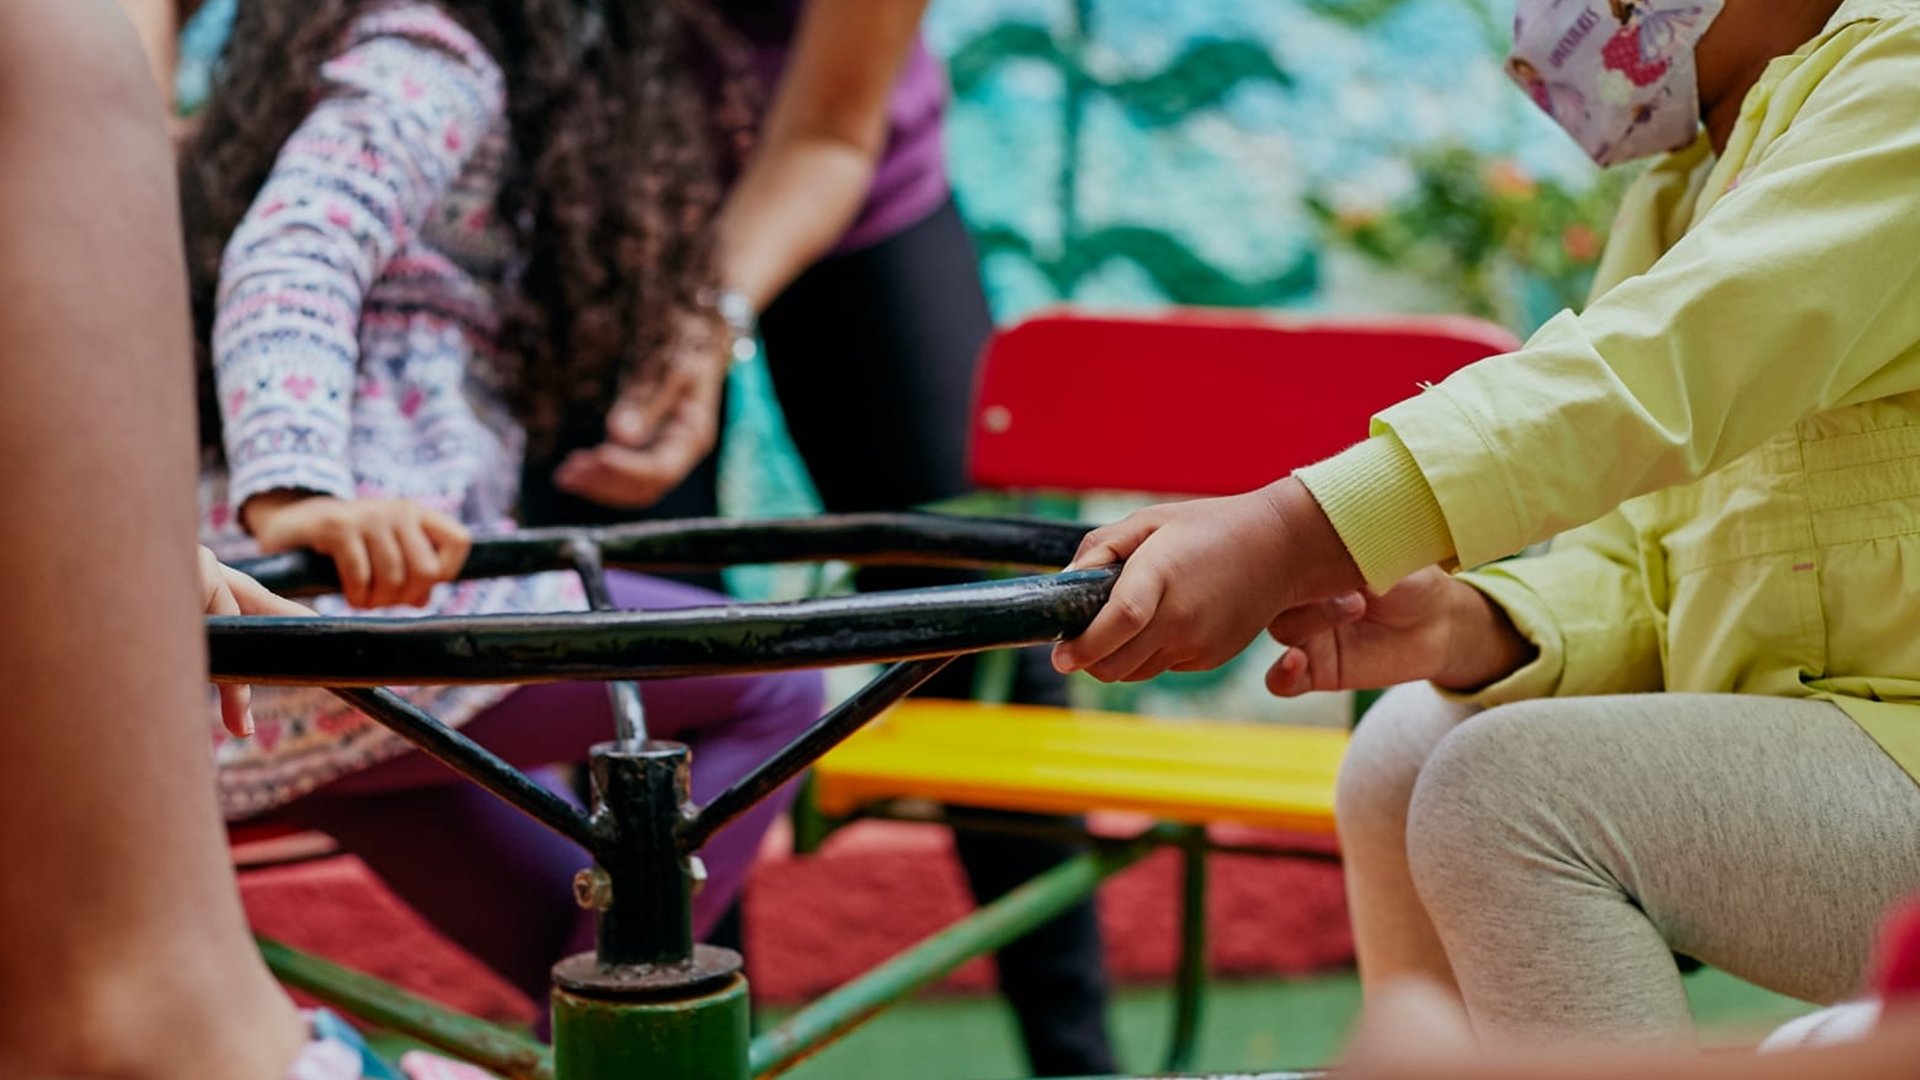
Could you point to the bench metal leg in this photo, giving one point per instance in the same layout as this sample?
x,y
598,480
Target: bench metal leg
x,y
1190,978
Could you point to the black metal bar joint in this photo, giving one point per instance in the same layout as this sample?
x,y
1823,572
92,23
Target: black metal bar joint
x,y
642,889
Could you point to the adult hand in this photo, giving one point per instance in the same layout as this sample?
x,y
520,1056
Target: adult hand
x,y
1203,578
226,591
388,551
1430,626
658,431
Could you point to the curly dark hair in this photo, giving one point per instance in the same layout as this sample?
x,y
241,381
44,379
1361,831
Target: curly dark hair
x,y
626,117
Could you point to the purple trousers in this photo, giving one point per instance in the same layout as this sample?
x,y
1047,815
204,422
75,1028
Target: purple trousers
x,y
500,885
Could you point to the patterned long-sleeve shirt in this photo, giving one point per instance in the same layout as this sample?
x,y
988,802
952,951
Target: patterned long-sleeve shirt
x,y
355,352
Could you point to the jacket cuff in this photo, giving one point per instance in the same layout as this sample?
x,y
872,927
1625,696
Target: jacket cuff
x,y
1381,505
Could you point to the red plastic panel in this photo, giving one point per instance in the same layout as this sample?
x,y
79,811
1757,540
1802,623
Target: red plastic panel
x,y
1192,402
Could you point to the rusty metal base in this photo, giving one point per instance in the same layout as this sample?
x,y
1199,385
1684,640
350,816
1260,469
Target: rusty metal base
x,y
583,976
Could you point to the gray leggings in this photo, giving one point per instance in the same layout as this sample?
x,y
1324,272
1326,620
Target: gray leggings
x,y
1563,849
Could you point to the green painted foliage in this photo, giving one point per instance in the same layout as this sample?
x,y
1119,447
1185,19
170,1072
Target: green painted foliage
x,y
976,61
1354,13
1180,274
1200,78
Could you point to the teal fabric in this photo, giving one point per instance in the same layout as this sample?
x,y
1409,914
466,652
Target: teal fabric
x,y
327,1025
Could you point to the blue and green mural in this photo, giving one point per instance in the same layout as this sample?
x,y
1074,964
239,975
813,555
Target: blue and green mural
x,y
1348,154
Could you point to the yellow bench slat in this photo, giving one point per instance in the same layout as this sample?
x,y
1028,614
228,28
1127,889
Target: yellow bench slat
x,y
1043,760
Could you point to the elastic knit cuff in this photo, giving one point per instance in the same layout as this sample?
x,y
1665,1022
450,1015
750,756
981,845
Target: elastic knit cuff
x,y
1383,508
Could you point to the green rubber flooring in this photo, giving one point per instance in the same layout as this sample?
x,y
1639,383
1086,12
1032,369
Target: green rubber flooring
x,y
1256,1025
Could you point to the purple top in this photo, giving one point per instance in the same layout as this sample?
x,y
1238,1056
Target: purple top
x,y
910,181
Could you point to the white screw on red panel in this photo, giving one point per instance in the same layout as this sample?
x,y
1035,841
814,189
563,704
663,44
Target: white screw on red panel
x,y
996,419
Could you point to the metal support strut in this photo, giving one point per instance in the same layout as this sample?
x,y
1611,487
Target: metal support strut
x,y
629,718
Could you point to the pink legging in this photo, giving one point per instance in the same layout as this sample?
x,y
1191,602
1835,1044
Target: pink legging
x,y
500,885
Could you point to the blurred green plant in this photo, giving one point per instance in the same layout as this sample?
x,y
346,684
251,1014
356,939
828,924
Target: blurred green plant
x,y
1495,240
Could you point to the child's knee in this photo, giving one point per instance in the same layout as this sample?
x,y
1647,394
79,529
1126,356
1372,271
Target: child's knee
x,y
1384,760
1478,795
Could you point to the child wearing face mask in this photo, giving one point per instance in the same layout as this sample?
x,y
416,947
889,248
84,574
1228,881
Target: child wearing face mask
x,y
1693,726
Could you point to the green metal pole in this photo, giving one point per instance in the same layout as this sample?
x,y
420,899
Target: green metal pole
x,y
1363,700
1190,980
985,931
697,1038
368,998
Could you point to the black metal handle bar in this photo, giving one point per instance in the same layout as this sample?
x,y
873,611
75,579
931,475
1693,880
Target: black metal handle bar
x,y
711,543
736,638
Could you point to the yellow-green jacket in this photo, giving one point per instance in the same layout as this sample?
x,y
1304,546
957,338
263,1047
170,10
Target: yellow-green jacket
x,y
1739,407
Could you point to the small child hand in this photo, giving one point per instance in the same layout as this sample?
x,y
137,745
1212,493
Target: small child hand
x,y
1362,641
1431,626
1203,578
388,551
226,591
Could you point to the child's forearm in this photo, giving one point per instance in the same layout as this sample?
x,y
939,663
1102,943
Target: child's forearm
x,y
1323,565
260,510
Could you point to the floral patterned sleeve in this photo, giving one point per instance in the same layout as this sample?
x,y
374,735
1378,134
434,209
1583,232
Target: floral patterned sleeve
x,y
401,110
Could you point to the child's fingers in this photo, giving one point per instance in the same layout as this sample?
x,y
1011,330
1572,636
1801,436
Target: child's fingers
x,y
1296,625
1291,675
1110,544
236,714
389,563
1130,662
452,541
1128,610
423,562
212,579
256,599
1162,661
349,553
236,709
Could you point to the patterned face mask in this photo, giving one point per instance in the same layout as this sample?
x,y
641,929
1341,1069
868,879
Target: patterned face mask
x,y
1617,74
